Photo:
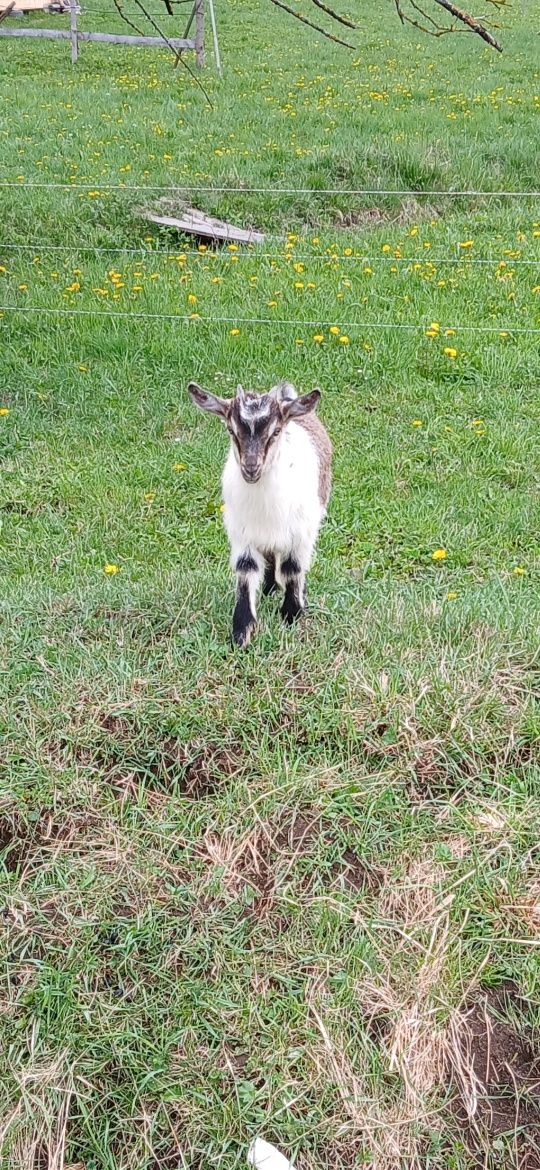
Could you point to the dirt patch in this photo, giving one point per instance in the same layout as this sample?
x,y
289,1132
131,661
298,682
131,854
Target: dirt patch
x,y
21,838
506,1064
354,874
126,755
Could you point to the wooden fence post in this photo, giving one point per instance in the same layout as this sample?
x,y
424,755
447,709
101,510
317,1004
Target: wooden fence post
x,y
199,33
74,40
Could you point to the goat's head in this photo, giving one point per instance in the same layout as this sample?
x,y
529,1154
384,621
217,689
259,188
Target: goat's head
x,y
255,421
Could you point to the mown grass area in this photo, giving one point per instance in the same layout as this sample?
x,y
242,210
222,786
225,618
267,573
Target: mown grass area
x,y
294,892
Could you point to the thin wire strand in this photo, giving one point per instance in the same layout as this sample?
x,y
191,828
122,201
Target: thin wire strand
x,y
327,257
273,190
365,325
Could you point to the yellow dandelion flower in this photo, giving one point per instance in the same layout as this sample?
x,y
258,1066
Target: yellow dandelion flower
x,y
518,571
386,247
343,340
451,595
149,495
110,570
234,332
347,251
335,330
439,554
416,422
449,351
179,467
318,337
192,299
4,411
83,369
467,244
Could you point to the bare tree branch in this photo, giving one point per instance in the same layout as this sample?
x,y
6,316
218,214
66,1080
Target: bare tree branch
x,y
176,53
120,10
304,20
471,23
405,10
335,15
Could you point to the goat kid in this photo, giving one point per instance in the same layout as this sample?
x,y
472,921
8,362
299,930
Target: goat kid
x,y
276,485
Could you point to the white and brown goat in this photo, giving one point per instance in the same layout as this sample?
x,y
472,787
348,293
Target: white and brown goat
x,y
276,486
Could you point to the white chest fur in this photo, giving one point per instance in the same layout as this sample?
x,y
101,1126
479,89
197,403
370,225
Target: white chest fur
x,y
282,511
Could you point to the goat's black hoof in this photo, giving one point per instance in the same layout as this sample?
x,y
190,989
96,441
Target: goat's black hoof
x,y
291,613
242,637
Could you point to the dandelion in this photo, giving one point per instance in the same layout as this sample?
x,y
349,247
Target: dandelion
x,y
179,467
149,496
83,369
449,351
416,422
318,337
4,411
235,332
335,330
439,554
23,287
347,251
110,570
467,244
192,299
449,333
451,595
518,571
386,247
343,340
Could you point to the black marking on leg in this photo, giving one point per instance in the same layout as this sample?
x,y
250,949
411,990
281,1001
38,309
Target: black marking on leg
x,y
290,566
243,618
246,564
292,607
270,583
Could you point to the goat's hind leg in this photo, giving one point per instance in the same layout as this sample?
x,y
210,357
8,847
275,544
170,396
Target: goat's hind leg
x,y
249,568
294,581
270,584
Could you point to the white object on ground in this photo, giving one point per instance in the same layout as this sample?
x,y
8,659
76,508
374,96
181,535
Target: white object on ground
x,y
263,1156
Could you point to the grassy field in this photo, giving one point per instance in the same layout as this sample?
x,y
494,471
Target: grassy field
x,y
294,892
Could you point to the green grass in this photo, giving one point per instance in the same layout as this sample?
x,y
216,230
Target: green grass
x,y
257,894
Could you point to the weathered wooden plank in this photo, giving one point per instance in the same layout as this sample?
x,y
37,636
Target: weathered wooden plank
x,y
23,6
198,224
64,34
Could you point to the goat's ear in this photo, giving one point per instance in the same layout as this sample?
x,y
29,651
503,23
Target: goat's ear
x,y
300,406
206,401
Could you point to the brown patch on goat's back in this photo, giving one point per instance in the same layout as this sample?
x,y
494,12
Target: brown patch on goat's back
x,y
321,441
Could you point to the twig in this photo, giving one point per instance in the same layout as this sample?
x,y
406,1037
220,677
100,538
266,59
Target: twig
x,y
6,11
304,20
335,15
126,19
176,55
471,23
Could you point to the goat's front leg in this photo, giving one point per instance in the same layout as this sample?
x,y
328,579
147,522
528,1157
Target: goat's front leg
x,y
293,579
248,566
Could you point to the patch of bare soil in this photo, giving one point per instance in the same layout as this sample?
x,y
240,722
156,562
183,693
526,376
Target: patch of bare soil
x,y
20,839
126,757
507,1066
